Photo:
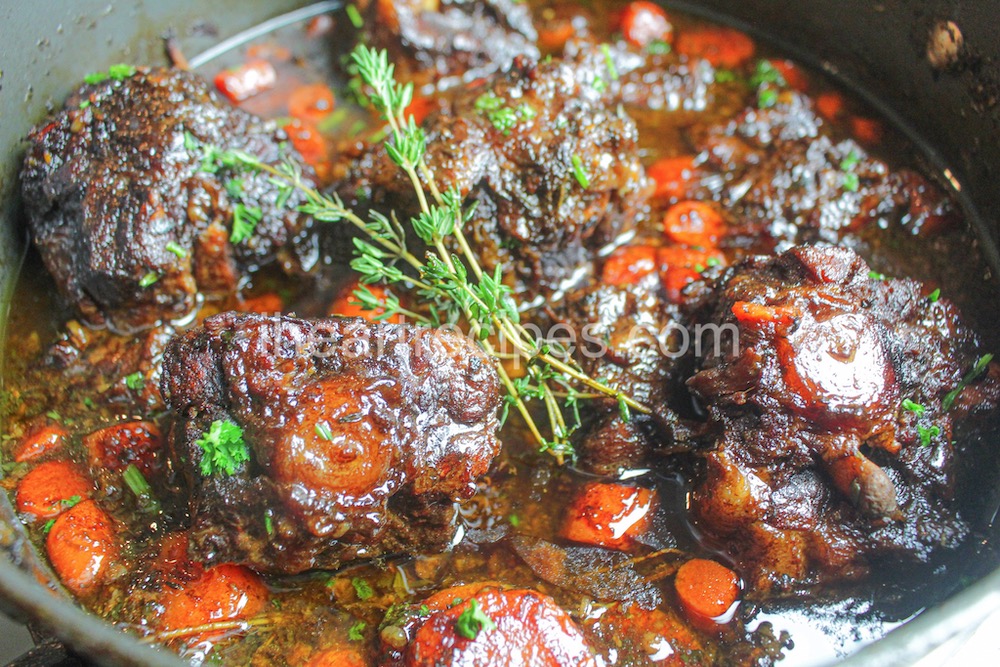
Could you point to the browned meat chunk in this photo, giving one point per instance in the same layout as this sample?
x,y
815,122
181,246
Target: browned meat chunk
x,y
553,169
127,221
629,338
360,436
439,39
833,447
786,179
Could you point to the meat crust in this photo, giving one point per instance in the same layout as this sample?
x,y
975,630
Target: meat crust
x,y
360,436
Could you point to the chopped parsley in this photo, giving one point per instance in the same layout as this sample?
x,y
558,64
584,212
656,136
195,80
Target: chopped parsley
x,y
599,85
354,16
851,182
48,526
118,72
245,219
362,588
767,98
234,188
725,76
84,104
357,632
175,248
913,407
138,485
927,434
850,162
268,524
875,275
423,611
488,102
473,620
609,62
135,381
514,520
71,502
502,117
149,279
658,47
223,447
582,177
766,74
970,377
323,431
934,296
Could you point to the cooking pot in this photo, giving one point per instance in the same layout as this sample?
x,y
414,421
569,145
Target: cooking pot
x,y
948,108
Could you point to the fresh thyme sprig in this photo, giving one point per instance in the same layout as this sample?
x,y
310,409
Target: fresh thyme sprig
x,y
451,286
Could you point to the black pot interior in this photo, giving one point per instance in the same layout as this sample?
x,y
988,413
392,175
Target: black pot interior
x,y
876,49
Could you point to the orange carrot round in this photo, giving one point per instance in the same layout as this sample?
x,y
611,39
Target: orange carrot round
x,y
673,176
265,303
116,447
693,223
830,105
307,141
347,305
707,590
247,80
223,593
609,515
46,491
554,35
791,73
866,130
311,103
336,657
81,546
722,47
40,442
629,264
644,23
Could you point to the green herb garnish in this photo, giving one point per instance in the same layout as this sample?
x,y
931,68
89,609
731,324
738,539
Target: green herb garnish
x,y
473,620
934,296
245,219
176,249
927,434
875,275
357,632
138,485
658,47
851,182
362,588
223,447
582,177
149,279
268,524
609,62
323,431
354,16
135,381
915,408
978,369
118,72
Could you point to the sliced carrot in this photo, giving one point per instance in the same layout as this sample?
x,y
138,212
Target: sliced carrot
x,y
131,443
722,47
82,546
266,303
347,305
336,657
247,80
609,515
46,491
511,627
673,176
693,223
39,442
420,108
681,266
629,264
554,35
708,592
307,141
866,130
223,593
830,105
311,103
791,73
643,23
756,315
